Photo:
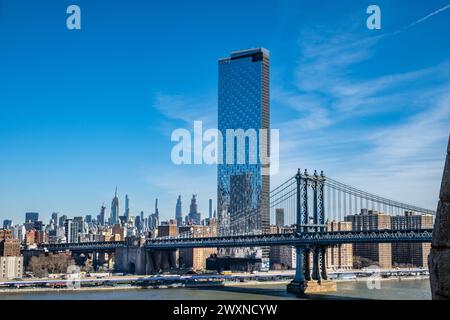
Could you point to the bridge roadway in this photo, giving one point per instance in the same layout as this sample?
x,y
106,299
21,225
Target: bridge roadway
x,y
198,278
292,239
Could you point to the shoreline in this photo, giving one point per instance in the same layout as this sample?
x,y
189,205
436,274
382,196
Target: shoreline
x,y
189,286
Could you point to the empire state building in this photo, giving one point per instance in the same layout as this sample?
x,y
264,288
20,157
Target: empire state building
x,y
115,210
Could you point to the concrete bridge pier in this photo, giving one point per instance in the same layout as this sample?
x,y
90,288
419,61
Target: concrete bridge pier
x,y
156,258
95,261
302,283
139,260
299,285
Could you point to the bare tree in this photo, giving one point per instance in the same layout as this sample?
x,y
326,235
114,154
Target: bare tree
x,y
43,265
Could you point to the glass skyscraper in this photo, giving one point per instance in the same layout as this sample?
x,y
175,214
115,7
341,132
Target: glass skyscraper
x,y
243,103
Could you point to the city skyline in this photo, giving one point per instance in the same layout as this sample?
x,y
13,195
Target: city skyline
x,y
108,211
67,151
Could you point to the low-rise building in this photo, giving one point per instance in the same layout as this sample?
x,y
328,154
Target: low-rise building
x,y
6,234
11,267
11,263
411,254
30,237
379,254
168,228
195,258
339,257
10,248
40,236
282,257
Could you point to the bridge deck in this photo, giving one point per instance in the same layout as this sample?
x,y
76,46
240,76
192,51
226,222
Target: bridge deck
x,y
305,239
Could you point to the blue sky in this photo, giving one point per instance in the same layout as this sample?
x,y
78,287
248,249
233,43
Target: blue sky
x,y
83,111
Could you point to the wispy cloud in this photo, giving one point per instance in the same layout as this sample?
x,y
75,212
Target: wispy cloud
x,y
331,101
430,15
187,108
417,138
180,111
406,159
339,118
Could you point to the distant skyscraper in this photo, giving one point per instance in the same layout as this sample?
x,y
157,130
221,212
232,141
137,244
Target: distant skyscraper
x,y
279,217
101,216
122,220
55,217
71,231
115,209
127,207
19,232
194,215
74,232
143,226
210,209
138,223
80,224
154,218
61,221
7,224
88,218
31,217
243,103
39,226
178,212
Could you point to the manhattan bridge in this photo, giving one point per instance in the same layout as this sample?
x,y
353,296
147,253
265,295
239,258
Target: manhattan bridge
x,y
308,202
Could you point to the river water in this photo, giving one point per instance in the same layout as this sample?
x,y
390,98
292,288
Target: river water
x,y
390,290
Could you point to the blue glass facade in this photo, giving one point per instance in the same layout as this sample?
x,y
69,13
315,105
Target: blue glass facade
x,y
243,102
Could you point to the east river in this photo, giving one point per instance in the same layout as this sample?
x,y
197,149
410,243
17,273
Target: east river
x,y
390,290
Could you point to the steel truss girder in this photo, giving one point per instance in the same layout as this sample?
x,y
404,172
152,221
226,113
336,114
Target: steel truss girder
x,y
328,238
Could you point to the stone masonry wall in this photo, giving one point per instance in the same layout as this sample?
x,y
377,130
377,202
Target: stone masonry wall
x,y
439,258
